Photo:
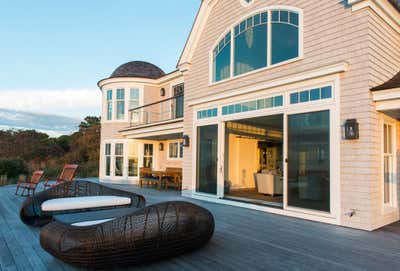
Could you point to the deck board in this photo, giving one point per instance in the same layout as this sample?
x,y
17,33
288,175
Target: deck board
x,y
243,240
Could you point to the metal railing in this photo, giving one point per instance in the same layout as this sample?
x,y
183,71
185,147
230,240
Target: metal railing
x,y
164,110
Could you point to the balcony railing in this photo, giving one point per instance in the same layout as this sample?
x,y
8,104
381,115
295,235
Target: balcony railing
x,y
168,109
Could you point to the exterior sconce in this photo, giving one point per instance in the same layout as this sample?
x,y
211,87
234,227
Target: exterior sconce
x,y
162,92
351,129
161,147
186,141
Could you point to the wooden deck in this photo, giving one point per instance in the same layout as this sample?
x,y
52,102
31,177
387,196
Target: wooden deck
x,y
243,240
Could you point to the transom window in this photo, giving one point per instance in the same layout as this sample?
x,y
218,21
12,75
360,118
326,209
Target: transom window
x,y
254,47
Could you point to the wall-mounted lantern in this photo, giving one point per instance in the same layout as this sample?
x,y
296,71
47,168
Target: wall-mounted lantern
x,y
161,147
186,141
351,129
162,92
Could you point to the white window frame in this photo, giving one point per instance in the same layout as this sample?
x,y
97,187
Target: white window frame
x,y
246,3
108,104
231,29
179,146
138,102
392,204
109,155
116,104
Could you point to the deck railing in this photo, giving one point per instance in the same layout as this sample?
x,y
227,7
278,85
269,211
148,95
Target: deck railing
x,y
164,110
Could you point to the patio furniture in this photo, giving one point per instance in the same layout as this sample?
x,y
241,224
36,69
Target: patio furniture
x,y
75,197
29,186
146,177
67,175
173,178
150,234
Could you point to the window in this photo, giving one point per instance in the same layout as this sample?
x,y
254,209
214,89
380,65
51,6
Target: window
x,y
119,159
109,104
285,35
148,156
246,3
178,104
253,45
175,150
253,105
388,165
132,159
222,59
309,160
311,95
209,113
120,104
134,102
108,159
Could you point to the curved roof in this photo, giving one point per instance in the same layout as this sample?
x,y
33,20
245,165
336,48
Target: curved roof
x,y
139,69
392,83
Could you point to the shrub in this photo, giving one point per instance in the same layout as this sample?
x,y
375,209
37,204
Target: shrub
x,y
13,168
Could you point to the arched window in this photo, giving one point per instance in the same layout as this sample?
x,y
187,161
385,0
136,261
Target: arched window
x,y
222,59
253,47
251,44
285,35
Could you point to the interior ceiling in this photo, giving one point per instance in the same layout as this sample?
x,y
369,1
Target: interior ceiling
x,y
268,122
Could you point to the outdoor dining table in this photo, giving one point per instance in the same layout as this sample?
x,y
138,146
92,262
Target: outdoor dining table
x,y
160,174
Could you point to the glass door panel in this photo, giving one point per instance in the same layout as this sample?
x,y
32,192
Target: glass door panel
x,y
207,159
309,161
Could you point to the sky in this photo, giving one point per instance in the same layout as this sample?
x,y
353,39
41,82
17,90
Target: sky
x,y
53,53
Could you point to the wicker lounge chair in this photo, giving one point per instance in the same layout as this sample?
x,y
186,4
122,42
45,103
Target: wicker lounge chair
x,y
32,212
29,187
67,175
150,234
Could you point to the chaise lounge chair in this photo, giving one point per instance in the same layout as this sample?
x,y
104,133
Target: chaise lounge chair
x,y
67,175
30,186
150,234
75,197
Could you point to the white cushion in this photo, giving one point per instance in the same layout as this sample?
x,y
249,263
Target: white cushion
x,y
65,204
91,223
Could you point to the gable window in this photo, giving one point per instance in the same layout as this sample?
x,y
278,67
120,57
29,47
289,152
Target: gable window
x,y
251,44
175,150
261,40
120,104
134,102
222,59
285,35
109,105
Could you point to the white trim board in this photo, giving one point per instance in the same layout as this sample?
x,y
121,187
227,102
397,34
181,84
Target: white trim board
x,y
381,7
324,71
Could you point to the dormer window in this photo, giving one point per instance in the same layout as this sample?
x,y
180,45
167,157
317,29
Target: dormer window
x,y
264,39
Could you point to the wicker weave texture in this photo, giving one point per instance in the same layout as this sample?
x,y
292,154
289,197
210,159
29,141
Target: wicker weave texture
x,y
31,213
150,234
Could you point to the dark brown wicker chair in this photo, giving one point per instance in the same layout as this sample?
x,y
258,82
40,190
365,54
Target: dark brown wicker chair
x,y
32,214
150,234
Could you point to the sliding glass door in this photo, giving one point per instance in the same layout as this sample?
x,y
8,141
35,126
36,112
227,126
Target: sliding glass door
x,y
207,159
309,161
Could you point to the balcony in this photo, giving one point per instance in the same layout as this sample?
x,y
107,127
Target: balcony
x,y
159,112
159,120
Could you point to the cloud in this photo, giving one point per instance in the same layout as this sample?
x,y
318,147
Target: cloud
x,y
76,103
51,124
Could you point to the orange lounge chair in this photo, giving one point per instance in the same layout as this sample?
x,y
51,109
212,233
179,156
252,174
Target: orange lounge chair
x,y
30,186
67,175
